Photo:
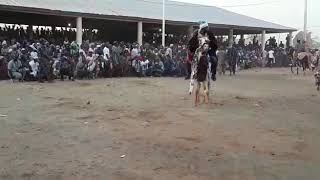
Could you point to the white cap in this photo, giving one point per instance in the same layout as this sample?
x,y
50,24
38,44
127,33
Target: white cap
x,y
34,55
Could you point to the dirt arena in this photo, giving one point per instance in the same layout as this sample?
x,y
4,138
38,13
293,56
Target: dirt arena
x,y
260,125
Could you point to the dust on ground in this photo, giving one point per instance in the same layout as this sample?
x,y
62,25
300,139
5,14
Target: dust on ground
x,y
260,125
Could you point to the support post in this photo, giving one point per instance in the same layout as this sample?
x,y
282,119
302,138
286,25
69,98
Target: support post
x,y
30,31
190,31
163,23
140,33
305,20
230,38
263,40
79,31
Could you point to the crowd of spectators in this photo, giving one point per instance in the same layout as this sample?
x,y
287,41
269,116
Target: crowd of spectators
x,y
45,57
45,54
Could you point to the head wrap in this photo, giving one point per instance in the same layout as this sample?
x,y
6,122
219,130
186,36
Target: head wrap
x,y
203,24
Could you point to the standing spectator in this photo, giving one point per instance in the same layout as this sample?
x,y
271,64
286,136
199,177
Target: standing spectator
x,y
5,49
271,58
232,57
134,52
106,53
221,60
281,45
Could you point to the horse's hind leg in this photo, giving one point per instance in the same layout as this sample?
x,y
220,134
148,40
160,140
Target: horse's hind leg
x,y
206,97
196,102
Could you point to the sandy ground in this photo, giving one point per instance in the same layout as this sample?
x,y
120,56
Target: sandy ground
x,y
260,125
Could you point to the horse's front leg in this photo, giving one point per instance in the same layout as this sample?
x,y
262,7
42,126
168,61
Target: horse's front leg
x,y
206,96
196,102
191,86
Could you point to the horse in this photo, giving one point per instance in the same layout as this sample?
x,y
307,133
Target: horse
x,y
300,60
303,58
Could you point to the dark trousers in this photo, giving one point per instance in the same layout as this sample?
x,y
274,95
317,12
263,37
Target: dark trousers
x,y
188,70
270,62
214,65
66,72
232,66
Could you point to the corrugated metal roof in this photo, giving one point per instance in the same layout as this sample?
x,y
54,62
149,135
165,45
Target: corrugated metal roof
x,y
149,9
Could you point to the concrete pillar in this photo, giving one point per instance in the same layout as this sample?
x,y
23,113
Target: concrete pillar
x,y
230,38
263,40
140,33
79,30
190,31
291,39
30,31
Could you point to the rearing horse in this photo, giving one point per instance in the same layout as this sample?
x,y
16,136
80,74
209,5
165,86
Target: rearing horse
x,y
201,72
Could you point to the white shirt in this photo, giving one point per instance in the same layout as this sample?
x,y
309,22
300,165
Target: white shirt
x,y
134,53
271,52
34,67
106,53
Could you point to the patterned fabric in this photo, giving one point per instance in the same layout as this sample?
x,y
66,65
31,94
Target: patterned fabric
x,y
195,63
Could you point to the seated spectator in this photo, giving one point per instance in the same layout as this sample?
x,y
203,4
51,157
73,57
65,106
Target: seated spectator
x,y
81,67
56,62
34,65
15,69
74,49
156,70
91,64
65,67
3,68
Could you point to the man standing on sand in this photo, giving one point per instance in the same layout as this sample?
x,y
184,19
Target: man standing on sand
x,y
232,55
271,58
221,54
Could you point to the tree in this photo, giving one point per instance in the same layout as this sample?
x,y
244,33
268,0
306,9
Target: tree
x,y
316,42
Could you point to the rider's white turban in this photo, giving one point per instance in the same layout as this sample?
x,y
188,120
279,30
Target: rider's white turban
x,y
203,24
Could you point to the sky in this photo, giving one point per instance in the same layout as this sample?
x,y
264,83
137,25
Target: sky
x,y
285,12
